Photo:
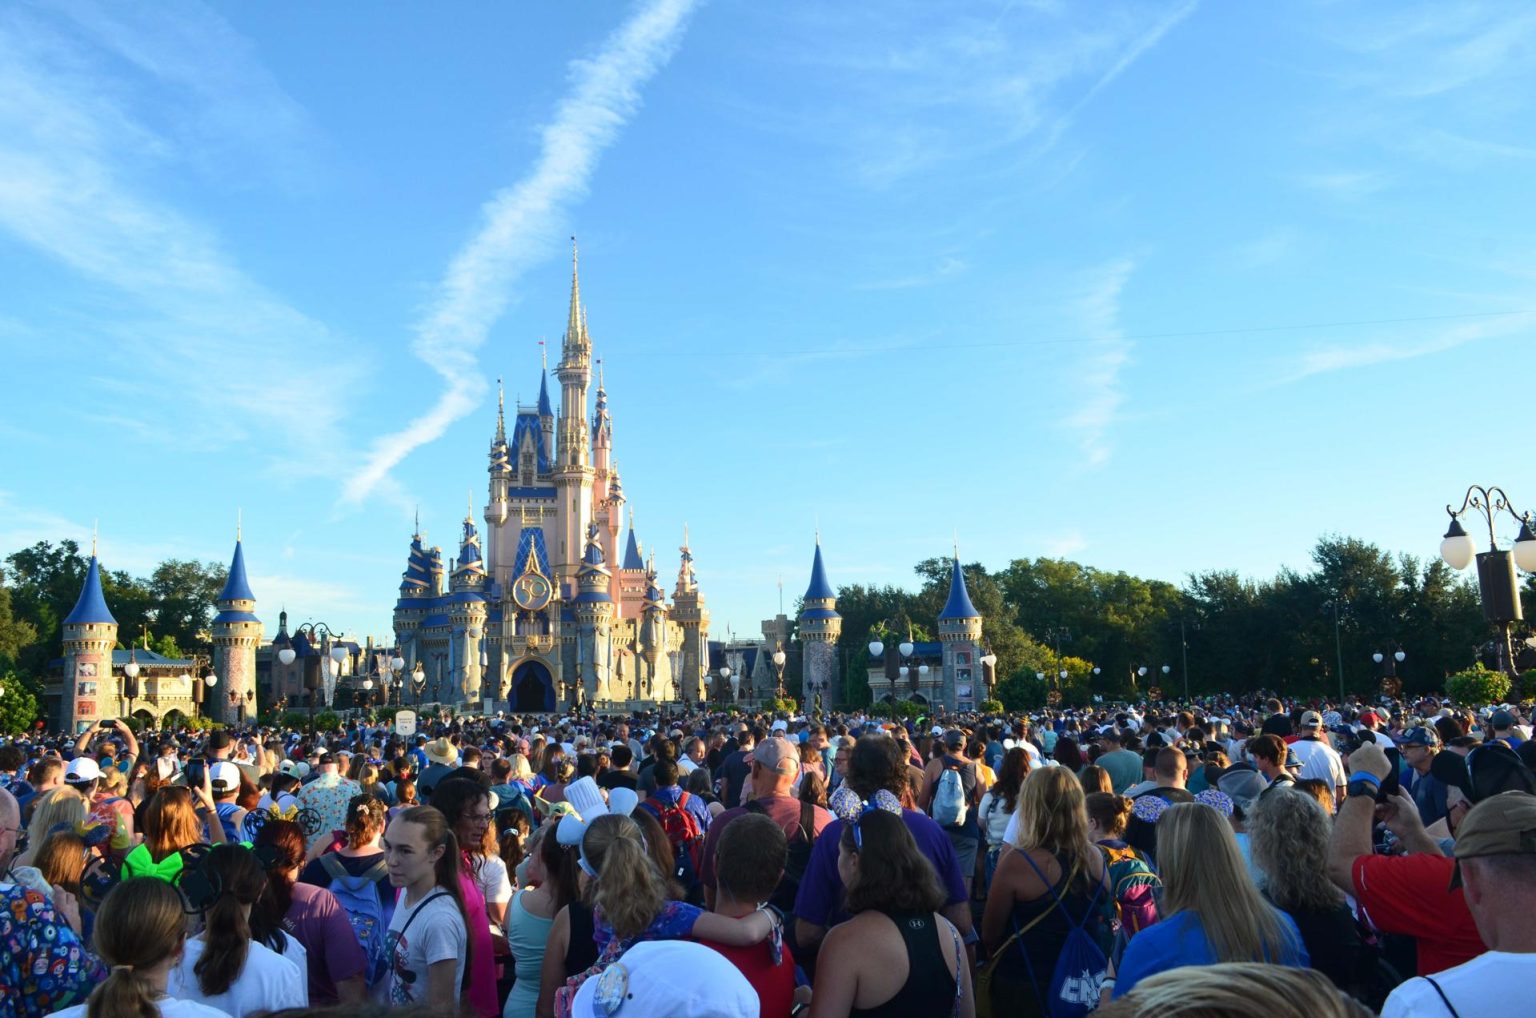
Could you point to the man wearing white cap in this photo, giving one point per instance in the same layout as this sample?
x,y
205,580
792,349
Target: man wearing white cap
x,y
1319,760
84,775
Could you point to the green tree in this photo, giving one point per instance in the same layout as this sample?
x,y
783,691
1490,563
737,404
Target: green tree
x,y
19,706
15,634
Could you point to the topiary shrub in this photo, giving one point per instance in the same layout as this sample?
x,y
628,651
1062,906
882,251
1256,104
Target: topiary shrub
x,y
327,721
1477,687
991,706
785,705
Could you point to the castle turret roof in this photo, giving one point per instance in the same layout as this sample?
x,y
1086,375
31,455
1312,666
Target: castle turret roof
x,y
91,608
959,604
820,589
237,588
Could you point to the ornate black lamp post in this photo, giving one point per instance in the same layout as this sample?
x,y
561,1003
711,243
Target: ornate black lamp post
x,y
1496,580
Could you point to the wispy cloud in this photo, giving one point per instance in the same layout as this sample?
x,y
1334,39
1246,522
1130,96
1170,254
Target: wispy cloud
x,y
1065,545
1273,246
1097,372
169,301
1344,184
519,226
1326,359
947,267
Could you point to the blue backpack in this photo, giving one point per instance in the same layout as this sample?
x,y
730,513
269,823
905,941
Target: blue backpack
x,y
368,914
1082,964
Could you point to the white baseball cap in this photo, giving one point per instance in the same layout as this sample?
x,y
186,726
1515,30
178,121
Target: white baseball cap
x,y
224,775
82,771
667,977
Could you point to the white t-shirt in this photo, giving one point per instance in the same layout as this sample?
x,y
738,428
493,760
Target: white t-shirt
x,y
1480,986
267,982
491,875
1319,761
429,931
169,1007
994,814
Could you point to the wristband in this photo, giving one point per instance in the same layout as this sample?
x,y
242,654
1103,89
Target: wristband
x,y
971,936
1367,777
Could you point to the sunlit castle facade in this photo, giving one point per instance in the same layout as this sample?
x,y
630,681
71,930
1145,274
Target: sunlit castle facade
x,y
546,609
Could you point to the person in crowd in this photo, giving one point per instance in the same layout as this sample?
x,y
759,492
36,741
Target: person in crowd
x,y
964,836
224,779
336,968
1496,867
701,784
877,773
549,783
1270,755
225,967
359,856
1505,730
773,766
177,820
997,808
1410,894
1210,911
428,932
618,774
531,917
1053,879
1319,760
842,750
44,966
749,863
141,932
442,756
1068,755
1419,747
571,947
466,805
1289,831
1123,765
1320,791
1095,779
1235,990
1134,883
55,807
897,954
1243,785
1170,770
84,775
329,796
734,769
628,896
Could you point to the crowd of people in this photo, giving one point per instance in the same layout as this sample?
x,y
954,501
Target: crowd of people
x,y
1226,857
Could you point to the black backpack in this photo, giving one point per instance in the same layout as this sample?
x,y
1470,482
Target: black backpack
x,y
798,859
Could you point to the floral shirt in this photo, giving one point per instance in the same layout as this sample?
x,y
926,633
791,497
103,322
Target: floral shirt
x,y
328,796
43,965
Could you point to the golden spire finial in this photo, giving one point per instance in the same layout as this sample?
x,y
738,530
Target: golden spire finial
x,y
685,536
543,354
469,505
239,523
631,517
95,526
600,373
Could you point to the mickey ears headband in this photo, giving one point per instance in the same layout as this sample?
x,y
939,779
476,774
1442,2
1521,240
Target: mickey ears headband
x,y
200,886
308,820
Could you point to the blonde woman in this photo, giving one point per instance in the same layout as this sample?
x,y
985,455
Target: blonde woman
x,y
62,805
1053,881
1211,912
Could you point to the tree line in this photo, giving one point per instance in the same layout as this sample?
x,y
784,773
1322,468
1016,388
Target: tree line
x,y
1297,632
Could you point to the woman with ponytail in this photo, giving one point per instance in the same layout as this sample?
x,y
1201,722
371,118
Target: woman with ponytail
x,y
226,967
428,939
140,932
628,894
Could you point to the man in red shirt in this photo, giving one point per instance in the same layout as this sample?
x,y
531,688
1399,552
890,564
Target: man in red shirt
x,y
1411,894
749,859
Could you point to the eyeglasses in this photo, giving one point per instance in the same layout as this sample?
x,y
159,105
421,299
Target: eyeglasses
x,y
479,818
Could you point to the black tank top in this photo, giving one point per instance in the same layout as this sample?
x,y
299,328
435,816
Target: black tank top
x,y
581,948
930,985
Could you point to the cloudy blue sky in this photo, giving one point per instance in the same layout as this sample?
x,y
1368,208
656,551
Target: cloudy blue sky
x,y
1161,287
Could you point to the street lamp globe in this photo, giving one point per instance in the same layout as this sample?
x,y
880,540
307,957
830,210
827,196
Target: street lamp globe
x,y
1167,669
725,672
367,683
904,671
1062,673
1456,548
1525,548
1040,676
131,669
397,664
1142,671
922,669
287,656
1400,656
876,648
778,657
1096,669
905,646
210,680
338,653
1378,657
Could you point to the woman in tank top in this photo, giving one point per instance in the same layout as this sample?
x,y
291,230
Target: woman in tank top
x,y
897,955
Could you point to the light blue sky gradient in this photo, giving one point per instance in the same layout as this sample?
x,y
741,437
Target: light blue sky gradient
x,y
1160,287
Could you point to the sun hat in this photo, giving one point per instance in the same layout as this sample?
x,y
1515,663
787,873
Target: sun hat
x,y
648,980
441,751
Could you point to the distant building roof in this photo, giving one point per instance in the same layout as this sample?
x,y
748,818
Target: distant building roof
x,y
959,604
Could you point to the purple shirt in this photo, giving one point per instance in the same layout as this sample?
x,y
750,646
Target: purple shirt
x,y
820,900
317,920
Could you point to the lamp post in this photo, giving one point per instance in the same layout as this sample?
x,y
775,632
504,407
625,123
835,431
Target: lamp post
x,y
1337,605
396,666
198,682
732,680
131,680
328,659
419,680
778,668
1387,670
988,673
1496,580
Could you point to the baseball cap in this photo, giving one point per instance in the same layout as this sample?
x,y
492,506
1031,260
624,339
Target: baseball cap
x,y
224,775
1370,717
775,754
1242,786
82,771
1503,824
1420,736
649,979
1310,719
291,768
1502,719
954,738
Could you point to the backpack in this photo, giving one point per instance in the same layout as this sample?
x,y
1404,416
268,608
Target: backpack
x,y
797,860
682,830
366,912
949,802
1136,889
1082,965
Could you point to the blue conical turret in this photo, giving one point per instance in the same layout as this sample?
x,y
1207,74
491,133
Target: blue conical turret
x,y
959,604
545,407
632,559
91,608
237,588
820,589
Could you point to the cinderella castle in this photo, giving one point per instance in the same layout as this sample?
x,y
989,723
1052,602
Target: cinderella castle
x,y
535,615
